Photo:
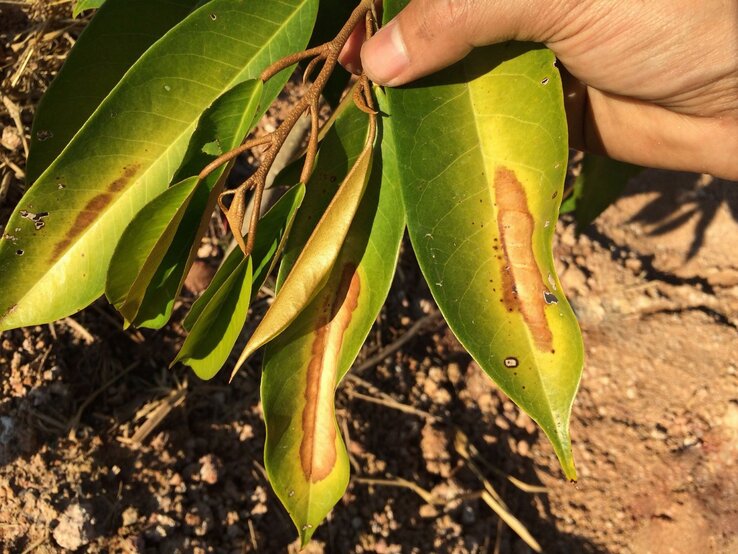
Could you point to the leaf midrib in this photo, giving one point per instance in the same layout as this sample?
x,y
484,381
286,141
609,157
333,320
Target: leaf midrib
x,y
470,94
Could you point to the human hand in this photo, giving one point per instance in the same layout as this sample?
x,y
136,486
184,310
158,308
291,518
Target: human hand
x,y
652,83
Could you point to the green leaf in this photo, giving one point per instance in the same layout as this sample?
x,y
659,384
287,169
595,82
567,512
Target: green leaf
x,y
313,265
143,243
600,183
216,330
161,225
115,38
82,5
274,227
305,456
482,149
128,150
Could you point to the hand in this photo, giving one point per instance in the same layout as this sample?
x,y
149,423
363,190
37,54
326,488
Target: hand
x,y
652,83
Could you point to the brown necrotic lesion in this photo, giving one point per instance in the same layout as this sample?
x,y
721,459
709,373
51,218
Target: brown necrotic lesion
x,y
318,447
521,277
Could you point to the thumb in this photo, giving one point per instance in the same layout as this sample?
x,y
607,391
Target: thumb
x,y
429,35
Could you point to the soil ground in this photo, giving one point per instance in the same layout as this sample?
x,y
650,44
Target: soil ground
x,y
103,449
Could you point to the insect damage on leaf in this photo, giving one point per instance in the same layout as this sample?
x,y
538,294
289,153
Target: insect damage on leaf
x,y
317,416
92,209
523,285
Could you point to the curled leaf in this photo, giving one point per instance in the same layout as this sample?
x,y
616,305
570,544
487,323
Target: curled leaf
x,y
317,258
305,456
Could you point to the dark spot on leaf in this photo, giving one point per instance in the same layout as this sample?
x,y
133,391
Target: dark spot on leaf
x,y
89,214
121,182
550,298
19,252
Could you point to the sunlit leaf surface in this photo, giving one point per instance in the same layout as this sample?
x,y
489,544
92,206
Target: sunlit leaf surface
x,y
128,151
482,151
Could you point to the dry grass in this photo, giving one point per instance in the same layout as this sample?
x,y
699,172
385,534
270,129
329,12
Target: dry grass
x,y
35,37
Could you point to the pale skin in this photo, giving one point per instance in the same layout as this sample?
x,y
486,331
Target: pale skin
x,y
652,83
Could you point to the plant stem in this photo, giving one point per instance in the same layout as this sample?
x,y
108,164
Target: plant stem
x,y
326,53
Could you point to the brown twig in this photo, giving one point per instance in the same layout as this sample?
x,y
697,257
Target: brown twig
x,y
327,54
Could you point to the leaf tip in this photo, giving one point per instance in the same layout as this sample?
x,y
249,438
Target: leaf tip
x,y
245,355
306,534
565,455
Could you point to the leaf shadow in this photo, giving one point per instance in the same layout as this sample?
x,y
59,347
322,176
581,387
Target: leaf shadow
x,y
679,200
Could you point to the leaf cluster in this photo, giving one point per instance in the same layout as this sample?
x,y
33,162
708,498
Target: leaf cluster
x,y
471,162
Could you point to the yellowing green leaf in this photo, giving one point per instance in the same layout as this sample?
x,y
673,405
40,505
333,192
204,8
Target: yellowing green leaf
x,y
482,151
317,258
305,457
143,242
158,228
344,141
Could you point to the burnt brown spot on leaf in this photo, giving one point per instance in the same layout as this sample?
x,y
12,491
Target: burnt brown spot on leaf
x,y
8,312
122,182
87,215
521,277
318,447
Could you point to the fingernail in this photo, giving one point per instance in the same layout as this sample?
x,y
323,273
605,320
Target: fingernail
x,y
384,57
352,68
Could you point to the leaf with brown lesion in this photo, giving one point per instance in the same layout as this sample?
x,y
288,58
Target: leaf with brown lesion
x,y
318,445
523,287
92,210
305,456
483,156
316,260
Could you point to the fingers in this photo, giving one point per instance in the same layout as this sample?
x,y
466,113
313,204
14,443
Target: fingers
x,y
349,56
649,135
429,35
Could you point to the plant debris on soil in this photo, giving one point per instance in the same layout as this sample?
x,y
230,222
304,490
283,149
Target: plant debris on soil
x,y
104,449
